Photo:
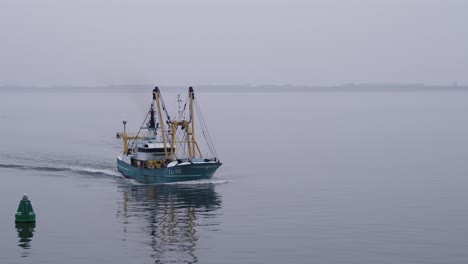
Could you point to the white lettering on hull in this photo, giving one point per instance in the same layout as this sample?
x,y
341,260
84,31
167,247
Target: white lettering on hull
x,y
174,171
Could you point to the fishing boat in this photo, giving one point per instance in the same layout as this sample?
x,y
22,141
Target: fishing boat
x,y
166,150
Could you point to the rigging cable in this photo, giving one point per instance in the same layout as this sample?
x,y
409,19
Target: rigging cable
x,y
205,127
133,142
164,108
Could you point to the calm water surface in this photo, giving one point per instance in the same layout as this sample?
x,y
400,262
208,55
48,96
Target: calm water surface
x,y
308,177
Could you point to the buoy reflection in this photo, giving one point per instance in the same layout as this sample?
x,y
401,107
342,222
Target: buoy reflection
x,y
25,234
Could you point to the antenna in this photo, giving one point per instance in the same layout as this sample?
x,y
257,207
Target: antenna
x,y
124,123
180,106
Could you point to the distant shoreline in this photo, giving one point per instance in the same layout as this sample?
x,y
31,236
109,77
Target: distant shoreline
x,y
239,88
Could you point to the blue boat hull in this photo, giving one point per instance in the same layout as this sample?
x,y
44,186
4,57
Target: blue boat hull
x,y
187,172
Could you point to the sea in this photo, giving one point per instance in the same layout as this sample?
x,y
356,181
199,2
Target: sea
x,y
339,175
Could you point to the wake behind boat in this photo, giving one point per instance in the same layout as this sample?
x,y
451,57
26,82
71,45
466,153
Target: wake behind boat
x,y
168,151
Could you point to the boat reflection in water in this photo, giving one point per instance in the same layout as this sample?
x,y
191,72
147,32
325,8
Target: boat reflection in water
x,y
170,218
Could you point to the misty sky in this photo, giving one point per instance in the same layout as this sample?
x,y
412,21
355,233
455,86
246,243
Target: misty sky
x,y
190,42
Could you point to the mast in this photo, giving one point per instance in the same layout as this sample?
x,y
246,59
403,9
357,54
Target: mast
x,y
173,139
192,96
157,97
152,124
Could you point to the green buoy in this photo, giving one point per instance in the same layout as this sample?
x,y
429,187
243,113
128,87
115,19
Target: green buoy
x,y
25,212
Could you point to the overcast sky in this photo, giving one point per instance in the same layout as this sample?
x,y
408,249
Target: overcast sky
x,y
109,42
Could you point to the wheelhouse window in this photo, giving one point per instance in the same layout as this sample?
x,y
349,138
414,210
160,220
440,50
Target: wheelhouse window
x,y
153,150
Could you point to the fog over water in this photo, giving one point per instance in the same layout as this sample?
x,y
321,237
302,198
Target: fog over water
x,y
328,177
